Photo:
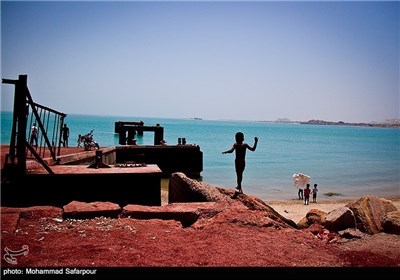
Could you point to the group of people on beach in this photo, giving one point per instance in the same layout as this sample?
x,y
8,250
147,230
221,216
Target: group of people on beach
x,y
307,192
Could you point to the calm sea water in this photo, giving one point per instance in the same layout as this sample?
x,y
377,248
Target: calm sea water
x,y
348,160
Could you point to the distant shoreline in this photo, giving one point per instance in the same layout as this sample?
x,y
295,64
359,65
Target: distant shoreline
x,y
320,122
391,123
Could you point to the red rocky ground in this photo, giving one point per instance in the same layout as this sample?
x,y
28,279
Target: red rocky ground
x,y
232,238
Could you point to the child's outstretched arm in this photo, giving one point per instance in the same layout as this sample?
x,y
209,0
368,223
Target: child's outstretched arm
x,y
255,145
230,150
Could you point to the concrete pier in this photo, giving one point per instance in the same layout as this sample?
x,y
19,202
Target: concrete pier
x,y
170,158
133,128
125,182
122,185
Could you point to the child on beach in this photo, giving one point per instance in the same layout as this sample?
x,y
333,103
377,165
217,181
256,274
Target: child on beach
x,y
240,163
307,194
314,193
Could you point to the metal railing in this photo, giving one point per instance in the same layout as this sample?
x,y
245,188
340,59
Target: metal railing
x,y
47,122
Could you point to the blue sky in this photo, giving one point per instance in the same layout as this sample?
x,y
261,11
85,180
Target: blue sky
x,y
336,61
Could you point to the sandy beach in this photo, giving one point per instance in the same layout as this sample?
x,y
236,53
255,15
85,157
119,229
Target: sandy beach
x,y
296,210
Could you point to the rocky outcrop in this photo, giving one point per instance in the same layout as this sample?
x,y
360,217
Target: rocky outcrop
x,y
369,214
240,217
340,219
369,211
184,189
391,222
314,216
352,233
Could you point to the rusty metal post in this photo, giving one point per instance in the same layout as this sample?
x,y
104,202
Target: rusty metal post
x,y
98,163
131,136
158,134
60,139
20,107
140,131
122,136
14,124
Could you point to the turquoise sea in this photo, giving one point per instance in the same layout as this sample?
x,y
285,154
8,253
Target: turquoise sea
x,y
349,160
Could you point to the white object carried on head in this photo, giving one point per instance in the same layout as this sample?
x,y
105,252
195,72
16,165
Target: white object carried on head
x,y
300,180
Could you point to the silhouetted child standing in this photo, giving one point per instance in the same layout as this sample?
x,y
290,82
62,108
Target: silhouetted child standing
x,y
307,194
240,161
314,193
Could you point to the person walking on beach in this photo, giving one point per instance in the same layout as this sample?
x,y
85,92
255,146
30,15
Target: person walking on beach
x,y
240,160
300,193
314,193
65,135
307,194
34,135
